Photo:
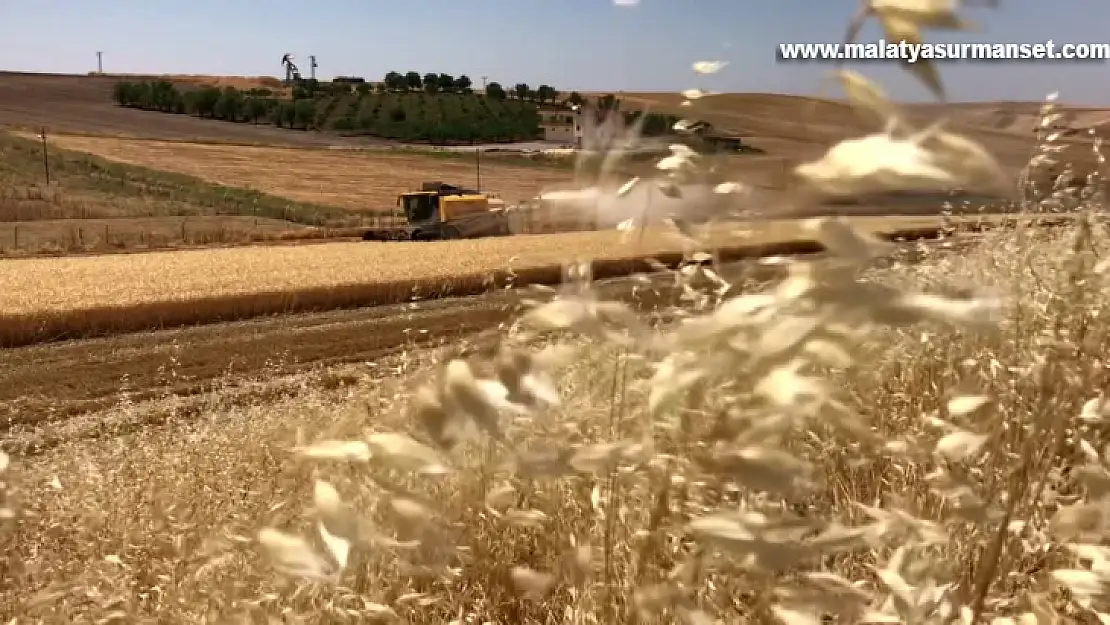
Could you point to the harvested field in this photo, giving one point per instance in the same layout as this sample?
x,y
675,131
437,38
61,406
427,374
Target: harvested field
x,y
92,204
800,127
51,298
361,181
136,233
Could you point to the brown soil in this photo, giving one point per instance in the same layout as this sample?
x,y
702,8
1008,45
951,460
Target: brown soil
x,y
49,382
67,103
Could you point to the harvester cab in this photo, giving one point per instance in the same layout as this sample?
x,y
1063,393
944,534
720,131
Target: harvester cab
x,y
444,211
423,206
420,207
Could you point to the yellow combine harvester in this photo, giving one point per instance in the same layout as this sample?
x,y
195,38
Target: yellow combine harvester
x,y
441,211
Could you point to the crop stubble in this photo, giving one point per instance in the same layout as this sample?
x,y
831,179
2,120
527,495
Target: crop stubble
x,y
366,181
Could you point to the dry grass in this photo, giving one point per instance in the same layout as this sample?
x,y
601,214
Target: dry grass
x,y
91,204
160,521
363,181
853,443
51,298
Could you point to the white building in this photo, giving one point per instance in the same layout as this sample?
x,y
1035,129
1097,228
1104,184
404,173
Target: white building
x,y
561,125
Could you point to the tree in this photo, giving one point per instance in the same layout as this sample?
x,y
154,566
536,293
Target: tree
x,y
495,91
229,106
407,115
446,82
126,93
164,96
340,88
304,113
431,82
656,125
608,103
576,98
204,101
344,124
394,81
256,108
282,115
521,90
413,81
545,93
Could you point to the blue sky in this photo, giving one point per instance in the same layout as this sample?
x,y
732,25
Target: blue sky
x,y
570,44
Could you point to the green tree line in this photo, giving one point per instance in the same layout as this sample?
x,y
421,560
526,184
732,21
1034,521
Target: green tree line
x,y
433,116
436,108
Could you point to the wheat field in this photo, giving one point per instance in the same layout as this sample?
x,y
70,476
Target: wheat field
x,y
52,298
60,284
176,507
861,441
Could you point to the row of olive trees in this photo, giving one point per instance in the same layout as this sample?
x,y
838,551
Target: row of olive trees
x,y
430,82
403,116
446,83
228,104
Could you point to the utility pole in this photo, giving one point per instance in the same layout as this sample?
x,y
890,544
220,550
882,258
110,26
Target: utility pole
x,y
485,80
99,62
478,169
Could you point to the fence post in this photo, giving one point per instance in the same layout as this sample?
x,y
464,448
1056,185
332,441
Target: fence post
x,y
45,157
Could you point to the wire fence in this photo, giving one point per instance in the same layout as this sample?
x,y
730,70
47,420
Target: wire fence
x,y
124,234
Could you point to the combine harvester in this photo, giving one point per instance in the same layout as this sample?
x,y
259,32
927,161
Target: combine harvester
x,y
440,211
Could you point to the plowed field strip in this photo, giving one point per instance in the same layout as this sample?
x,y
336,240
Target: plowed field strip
x,y
48,382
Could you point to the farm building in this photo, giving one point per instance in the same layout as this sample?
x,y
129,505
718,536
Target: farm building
x,y
561,125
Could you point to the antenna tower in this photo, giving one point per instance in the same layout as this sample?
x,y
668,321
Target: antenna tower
x,y
312,66
99,62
